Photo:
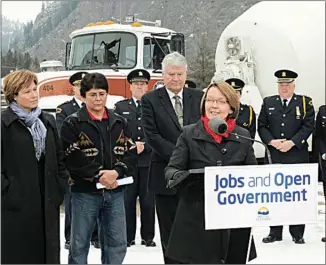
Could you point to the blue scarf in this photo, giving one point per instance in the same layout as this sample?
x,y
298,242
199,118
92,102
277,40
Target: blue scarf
x,y
36,126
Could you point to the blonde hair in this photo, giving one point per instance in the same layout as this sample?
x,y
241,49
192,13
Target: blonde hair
x,y
16,81
230,95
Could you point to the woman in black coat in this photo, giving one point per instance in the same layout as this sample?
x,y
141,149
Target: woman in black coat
x,y
199,147
33,176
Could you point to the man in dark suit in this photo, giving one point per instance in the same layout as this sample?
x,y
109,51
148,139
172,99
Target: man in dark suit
x,y
247,116
285,123
63,111
131,110
164,113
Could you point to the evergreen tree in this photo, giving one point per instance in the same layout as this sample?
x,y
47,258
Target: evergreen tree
x,y
15,59
203,66
27,61
10,58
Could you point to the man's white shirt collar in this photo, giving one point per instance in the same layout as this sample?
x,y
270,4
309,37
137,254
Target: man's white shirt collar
x,y
171,95
79,102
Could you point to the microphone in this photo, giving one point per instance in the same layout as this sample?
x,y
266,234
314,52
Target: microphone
x,y
219,126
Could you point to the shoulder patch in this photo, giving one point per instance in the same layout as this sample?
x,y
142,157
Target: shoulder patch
x,y
58,110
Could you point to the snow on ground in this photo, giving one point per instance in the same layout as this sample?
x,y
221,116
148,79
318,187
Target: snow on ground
x,y
284,252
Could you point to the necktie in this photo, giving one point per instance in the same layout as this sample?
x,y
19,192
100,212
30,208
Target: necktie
x,y
138,106
178,109
284,103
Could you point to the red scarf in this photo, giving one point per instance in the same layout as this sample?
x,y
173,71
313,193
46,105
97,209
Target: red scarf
x,y
218,137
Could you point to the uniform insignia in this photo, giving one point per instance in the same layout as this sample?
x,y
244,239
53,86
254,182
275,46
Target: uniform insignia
x,y
140,73
297,111
130,102
58,110
114,108
232,83
324,117
303,141
283,74
82,76
310,102
245,124
271,108
84,140
125,112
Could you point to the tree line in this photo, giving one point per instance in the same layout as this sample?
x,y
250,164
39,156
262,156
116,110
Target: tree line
x,y
14,60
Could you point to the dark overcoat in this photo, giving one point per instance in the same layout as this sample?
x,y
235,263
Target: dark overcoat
x,y
31,193
189,241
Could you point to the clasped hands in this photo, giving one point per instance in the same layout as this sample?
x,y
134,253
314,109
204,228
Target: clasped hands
x,y
282,145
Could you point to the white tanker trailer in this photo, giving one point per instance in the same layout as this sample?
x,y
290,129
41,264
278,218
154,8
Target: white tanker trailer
x,y
271,36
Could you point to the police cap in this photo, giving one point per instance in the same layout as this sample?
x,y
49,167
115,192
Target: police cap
x,y
190,83
285,76
138,75
76,78
236,83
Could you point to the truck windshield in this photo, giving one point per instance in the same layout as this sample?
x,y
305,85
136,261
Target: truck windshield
x,y
104,50
154,51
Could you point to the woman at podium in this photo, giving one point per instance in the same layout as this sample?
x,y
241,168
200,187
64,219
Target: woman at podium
x,y
200,146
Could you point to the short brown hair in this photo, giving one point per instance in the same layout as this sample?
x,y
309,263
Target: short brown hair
x,y
230,95
16,81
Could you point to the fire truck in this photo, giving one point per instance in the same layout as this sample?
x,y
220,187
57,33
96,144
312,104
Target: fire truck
x,y
114,50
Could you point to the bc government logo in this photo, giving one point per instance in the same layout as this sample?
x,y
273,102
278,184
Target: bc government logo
x,y
263,214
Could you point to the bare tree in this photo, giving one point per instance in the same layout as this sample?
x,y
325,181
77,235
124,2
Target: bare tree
x,y
202,68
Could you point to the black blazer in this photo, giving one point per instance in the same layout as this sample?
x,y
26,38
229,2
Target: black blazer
x,y
161,129
320,132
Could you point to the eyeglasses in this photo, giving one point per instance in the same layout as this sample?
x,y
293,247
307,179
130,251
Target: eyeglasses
x,y
219,101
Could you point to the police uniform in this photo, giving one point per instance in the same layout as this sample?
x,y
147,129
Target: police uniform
x,y
320,135
293,120
247,116
69,107
62,112
131,110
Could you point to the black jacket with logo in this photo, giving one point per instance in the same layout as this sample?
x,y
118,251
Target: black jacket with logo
x,y
88,149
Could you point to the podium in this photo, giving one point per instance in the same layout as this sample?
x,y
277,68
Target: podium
x,y
264,195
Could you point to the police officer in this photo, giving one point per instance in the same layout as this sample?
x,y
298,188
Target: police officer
x,y
63,111
69,107
320,135
247,116
285,123
131,110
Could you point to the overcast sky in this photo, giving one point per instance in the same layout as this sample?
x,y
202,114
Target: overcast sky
x,y
21,10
